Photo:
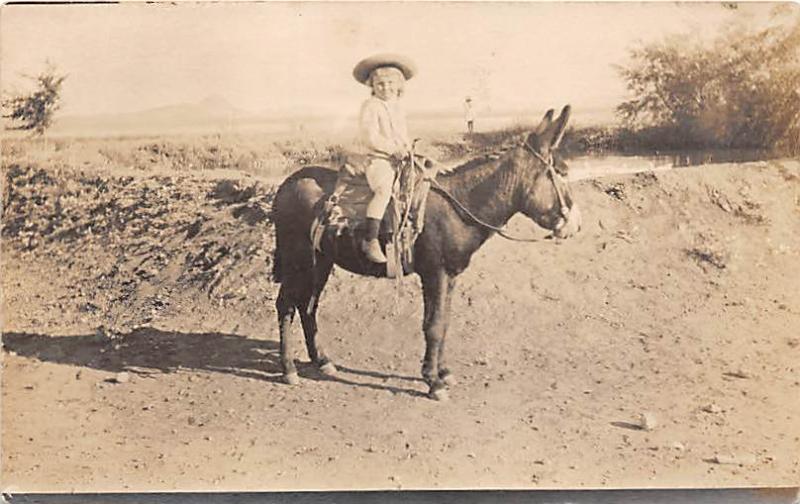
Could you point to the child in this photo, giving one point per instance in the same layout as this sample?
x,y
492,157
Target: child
x,y
383,135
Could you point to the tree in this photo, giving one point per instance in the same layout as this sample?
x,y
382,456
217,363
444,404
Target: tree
x,y
34,112
740,90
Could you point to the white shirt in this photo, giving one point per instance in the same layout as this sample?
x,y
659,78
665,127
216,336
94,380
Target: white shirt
x,y
382,127
469,114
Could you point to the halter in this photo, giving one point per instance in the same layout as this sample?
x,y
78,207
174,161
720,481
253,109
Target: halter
x,y
551,172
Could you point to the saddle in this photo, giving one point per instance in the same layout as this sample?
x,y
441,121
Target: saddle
x,y
343,213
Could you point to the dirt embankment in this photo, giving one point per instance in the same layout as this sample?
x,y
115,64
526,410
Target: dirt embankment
x,y
141,346
125,244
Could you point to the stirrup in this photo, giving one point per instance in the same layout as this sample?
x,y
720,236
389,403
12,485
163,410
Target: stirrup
x,y
373,251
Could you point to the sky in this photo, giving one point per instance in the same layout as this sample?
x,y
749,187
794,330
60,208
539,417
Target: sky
x,y
299,56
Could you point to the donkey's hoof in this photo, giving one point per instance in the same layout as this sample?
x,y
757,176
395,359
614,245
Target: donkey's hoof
x,y
328,369
440,394
291,379
448,379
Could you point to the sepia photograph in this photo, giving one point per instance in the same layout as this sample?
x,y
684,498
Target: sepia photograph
x,y
418,246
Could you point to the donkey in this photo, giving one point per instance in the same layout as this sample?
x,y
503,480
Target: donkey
x,y
465,207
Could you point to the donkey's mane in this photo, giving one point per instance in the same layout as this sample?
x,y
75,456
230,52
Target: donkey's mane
x,y
476,162
469,165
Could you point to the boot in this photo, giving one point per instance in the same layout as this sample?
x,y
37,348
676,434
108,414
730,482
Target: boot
x,y
370,246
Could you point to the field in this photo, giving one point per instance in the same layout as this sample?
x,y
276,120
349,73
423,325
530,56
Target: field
x,y
658,348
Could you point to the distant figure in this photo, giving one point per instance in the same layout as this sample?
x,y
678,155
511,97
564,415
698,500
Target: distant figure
x,y
469,115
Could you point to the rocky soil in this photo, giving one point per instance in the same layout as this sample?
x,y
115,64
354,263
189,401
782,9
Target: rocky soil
x,y
659,348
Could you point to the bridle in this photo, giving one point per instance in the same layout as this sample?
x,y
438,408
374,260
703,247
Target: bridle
x,y
552,175
550,168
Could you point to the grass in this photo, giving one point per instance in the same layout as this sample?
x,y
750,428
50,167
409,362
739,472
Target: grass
x,y
268,157
261,155
274,156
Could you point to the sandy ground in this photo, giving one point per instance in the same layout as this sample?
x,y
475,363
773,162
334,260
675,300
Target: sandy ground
x,y
140,344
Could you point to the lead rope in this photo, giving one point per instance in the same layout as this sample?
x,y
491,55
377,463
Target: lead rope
x,y
501,230
401,220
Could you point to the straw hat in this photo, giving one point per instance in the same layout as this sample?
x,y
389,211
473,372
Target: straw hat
x,y
365,67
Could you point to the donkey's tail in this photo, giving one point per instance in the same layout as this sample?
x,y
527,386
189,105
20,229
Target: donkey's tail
x,y
277,275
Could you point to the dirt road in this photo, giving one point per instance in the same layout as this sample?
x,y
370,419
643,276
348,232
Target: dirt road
x,y
659,348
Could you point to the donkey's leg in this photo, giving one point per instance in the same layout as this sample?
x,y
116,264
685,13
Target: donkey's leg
x,y
286,307
308,317
434,290
444,372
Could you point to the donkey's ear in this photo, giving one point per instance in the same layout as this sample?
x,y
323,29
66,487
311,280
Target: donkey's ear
x,y
560,127
546,121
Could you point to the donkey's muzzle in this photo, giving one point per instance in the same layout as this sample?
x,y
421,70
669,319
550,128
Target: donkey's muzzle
x,y
569,225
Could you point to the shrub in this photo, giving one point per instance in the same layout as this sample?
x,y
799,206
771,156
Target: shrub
x,y
34,112
741,89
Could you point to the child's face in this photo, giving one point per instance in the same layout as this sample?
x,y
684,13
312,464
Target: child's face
x,y
386,83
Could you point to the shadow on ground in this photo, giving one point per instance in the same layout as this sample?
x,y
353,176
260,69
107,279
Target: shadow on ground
x,y
152,350
149,350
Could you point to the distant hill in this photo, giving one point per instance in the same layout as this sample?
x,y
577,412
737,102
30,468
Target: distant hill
x,y
211,113
215,114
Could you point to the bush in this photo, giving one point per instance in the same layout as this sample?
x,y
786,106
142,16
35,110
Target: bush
x,y
740,90
34,112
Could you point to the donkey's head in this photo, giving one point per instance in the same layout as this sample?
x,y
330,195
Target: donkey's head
x,y
544,196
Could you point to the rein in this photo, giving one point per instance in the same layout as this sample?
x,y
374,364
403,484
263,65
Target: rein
x,y
551,172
